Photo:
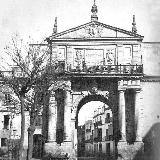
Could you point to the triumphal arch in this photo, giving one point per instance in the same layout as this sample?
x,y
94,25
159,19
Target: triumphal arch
x,y
98,62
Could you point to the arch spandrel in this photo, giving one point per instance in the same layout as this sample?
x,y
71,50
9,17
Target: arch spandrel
x,y
88,96
103,95
76,101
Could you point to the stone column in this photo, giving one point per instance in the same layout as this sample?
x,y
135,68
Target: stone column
x,y
122,115
52,119
67,116
137,116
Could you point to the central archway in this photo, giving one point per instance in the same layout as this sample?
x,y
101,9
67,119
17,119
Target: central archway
x,y
97,139
90,98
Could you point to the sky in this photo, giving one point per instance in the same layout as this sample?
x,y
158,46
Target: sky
x,y
87,111
35,18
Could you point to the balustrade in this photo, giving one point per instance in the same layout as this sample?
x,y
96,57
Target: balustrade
x,y
110,69
98,123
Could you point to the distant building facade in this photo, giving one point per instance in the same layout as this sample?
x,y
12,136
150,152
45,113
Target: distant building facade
x,y
81,141
99,134
10,124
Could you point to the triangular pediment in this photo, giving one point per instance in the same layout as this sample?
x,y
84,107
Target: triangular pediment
x,y
95,30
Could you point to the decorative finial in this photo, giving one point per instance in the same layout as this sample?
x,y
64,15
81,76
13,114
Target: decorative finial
x,y
134,28
94,11
55,26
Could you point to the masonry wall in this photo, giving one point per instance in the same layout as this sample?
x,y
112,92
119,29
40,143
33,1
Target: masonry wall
x,y
149,104
151,58
150,95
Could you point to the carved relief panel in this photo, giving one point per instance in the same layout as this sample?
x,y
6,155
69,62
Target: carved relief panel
x,y
94,30
110,55
78,58
61,54
94,56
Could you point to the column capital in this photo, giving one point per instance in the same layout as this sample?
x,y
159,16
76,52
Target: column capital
x,y
138,90
121,90
73,119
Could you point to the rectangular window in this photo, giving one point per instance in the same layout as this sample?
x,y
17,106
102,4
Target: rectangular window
x,y
108,149
100,134
108,115
38,121
107,138
100,148
108,118
8,98
6,122
127,55
94,148
3,142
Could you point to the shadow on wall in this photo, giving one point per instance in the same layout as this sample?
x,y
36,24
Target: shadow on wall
x,y
151,145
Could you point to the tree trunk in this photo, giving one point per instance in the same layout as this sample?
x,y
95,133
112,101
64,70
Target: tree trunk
x,y
44,115
31,130
22,127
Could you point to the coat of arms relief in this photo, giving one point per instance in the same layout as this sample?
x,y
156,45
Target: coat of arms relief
x,y
94,30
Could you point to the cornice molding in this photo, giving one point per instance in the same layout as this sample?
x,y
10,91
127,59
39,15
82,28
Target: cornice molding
x,y
96,39
130,33
151,79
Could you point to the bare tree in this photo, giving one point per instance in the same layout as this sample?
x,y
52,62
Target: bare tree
x,y
29,63
32,76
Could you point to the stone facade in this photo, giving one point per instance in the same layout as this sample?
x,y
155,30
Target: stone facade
x,y
99,139
109,64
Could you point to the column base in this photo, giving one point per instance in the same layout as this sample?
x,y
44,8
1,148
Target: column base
x,y
56,150
130,151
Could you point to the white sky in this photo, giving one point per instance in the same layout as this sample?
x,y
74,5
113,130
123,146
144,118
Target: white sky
x,y
35,18
87,111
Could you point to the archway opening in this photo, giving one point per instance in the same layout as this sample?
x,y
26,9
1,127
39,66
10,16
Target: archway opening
x,y
95,130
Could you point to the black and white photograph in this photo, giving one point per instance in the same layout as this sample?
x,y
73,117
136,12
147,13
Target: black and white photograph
x,y
80,80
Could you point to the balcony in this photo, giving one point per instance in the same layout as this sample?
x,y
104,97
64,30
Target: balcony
x,y
108,120
98,123
98,139
110,70
88,130
90,140
109,138
106,138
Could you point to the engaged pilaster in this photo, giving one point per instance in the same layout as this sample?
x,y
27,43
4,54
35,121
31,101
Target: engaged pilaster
x,y
122,115
67,117
52,119
137,115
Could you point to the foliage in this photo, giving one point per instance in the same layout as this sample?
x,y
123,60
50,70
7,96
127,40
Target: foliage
x,y
30,73
26,63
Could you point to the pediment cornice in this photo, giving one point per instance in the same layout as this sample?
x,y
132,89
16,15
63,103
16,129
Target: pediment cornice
x,y
95,31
